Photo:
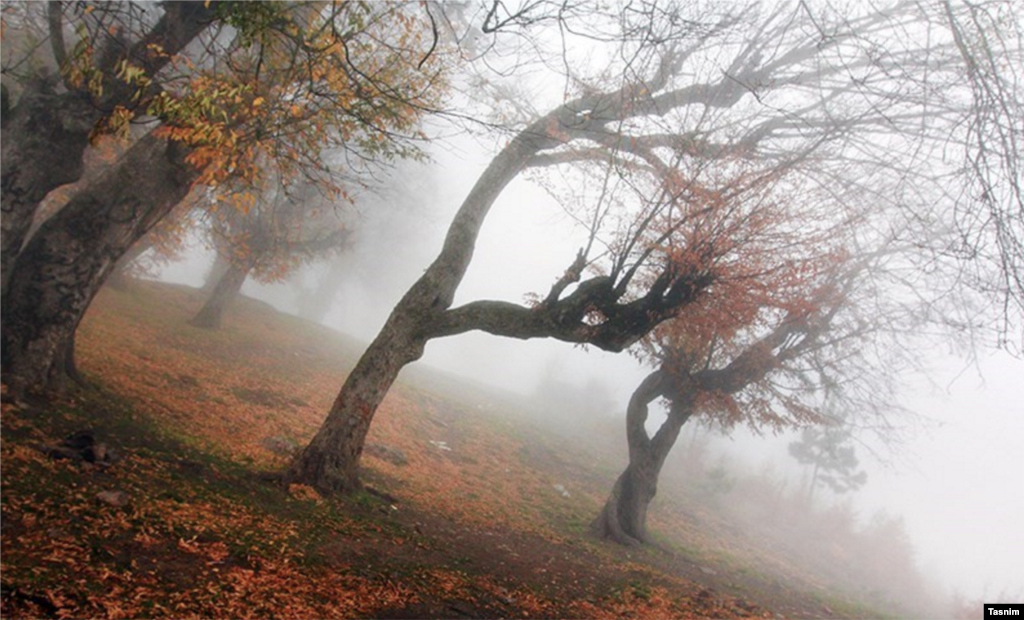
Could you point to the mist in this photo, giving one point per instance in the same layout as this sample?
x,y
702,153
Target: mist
x,y
951,481
608,310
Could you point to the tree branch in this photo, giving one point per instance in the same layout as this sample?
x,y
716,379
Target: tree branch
x,y
592,314
55,17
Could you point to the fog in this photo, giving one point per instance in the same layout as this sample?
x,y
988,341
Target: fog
x,y
775,145
959,484
954,480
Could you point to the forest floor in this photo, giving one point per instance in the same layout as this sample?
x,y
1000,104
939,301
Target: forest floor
x,y
473,508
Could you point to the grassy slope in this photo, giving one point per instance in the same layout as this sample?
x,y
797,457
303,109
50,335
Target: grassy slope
x,y
477,530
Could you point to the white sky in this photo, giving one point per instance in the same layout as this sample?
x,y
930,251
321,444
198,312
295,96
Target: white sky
x,y
962,493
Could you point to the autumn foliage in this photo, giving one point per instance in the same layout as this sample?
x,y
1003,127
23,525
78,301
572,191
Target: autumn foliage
x,y
476,527
299,81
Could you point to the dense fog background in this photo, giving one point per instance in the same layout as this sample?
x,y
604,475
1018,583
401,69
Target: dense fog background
x,y
956,480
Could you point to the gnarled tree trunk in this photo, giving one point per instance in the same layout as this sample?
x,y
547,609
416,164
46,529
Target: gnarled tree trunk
x,y
330,463
68,259
44,136
224,292
45,133
624,516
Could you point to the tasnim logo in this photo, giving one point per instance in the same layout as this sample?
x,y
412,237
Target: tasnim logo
x,y
1003,610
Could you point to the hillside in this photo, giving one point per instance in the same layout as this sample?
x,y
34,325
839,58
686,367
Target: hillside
x,y
474,508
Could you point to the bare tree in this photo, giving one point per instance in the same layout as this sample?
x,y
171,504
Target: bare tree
x,y
989,212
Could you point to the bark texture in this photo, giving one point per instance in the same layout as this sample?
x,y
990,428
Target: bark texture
x,y
330,463
44,136
68,259
225,291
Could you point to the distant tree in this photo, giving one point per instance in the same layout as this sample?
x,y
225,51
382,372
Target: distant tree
x,y
860,106
288,226
833,460
314,300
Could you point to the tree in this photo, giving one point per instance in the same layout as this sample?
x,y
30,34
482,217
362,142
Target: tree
x,y
794,88
293,80
754,349
286,227
67,260
46,131
784,347
989,213
833,459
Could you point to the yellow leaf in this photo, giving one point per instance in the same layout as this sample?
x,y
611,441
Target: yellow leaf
x,y
257,102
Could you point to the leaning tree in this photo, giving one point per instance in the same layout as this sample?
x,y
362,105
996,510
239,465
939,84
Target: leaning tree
x,y
287,226
53,106
801,87
781,341
224,87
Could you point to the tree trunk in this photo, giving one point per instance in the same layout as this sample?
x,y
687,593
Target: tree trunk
x,y
330,463
45,133
812,485
624,516
218,268
68,259
44,137
224,292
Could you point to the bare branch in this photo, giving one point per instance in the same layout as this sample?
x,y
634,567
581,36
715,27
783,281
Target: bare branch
x,y
55,16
